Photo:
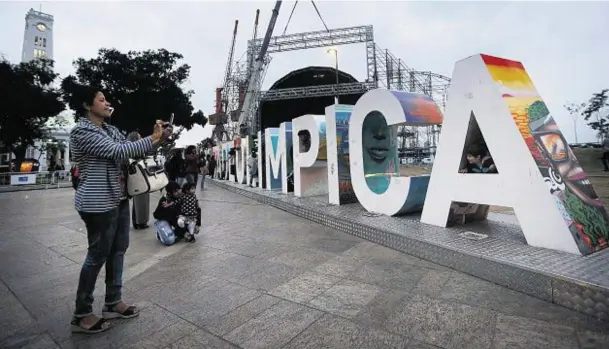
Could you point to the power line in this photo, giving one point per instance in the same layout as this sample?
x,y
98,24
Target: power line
x,y
319,14
290,18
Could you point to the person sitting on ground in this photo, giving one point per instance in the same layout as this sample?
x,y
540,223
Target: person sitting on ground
x,y
190,212
477,162
168,210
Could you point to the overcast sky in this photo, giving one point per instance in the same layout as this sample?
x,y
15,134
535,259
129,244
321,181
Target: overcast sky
x,y
563,45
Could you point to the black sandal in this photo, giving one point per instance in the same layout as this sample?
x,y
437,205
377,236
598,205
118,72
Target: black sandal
x,y
100,326
109,312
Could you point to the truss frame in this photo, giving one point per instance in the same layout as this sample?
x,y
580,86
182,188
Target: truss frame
x,y
316,91
384,70
315,39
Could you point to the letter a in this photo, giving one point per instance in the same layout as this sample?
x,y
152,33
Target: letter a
x,y
539,175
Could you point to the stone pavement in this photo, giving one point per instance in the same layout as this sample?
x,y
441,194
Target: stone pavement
x,y
258,277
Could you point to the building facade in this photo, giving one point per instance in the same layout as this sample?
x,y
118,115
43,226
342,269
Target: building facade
x,y
38,36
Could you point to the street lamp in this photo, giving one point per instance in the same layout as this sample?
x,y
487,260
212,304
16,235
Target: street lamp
x,y
335,53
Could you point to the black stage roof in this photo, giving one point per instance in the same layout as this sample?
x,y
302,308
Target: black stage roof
x,y
273,113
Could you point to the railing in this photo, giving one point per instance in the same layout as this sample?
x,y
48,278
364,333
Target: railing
x,y
13,181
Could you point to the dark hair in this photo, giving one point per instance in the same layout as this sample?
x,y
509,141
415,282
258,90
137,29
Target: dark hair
x,y
188,186
81,95
190,149
172,187
475,151
133,136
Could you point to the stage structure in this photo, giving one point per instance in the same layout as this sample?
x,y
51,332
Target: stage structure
x,y
384,70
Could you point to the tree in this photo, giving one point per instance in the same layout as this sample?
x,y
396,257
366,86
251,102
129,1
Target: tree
x,y
207,143
142,87
28,102
598,110
575,110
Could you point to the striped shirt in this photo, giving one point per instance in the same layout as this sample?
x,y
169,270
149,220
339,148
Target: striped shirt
x,y
100,154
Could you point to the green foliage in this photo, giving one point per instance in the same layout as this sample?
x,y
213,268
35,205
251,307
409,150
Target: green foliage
x,y
28,102
142,87
207,143
592,218
598,110
537,111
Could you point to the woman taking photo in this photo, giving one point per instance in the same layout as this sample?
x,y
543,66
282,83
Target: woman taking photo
x,y
102,153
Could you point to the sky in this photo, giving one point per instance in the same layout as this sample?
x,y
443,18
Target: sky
x,y
563,45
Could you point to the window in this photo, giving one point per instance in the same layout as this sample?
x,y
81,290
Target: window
x,y
39,53
36,40
44,42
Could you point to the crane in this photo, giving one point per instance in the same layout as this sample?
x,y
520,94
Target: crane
x,y
222,101
256,74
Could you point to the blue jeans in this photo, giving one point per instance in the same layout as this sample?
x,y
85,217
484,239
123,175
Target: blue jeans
x,y
108,235
192,178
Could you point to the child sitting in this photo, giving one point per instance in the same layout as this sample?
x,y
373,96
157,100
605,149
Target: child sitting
x,y
190,212
477,162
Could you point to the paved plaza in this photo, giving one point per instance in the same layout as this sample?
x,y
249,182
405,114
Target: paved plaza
x,y
258,277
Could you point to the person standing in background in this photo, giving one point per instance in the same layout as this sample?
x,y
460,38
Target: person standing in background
x,y
140,211
192,165
203,169
174,165
606,153
252,163
211,165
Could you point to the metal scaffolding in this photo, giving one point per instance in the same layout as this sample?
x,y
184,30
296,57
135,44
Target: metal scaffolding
x,y
384,70
317,91
316,39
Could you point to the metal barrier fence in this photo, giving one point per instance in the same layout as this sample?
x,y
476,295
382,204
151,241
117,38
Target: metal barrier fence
x,y
13,181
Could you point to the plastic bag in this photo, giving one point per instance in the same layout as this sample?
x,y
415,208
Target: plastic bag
x,y
164,233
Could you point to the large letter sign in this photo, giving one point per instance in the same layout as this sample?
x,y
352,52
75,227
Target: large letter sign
x,y
539,175
310,167
340,190
216,155
241,156
261,160
375,169
226,147
285,145
273,159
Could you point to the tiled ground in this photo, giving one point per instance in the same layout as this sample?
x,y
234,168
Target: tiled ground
x,y
260,278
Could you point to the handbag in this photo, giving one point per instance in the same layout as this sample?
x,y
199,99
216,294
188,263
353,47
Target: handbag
x,y
142,179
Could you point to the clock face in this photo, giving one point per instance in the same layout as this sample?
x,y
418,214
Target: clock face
x,y
41,27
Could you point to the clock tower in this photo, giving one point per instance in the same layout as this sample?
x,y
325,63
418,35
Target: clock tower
x,y
38,36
